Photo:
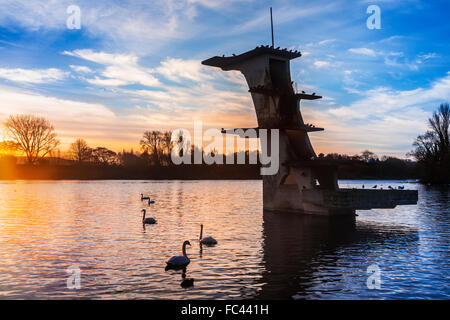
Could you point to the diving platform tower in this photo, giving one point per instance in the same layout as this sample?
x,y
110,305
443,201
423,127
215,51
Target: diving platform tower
x,y
303,182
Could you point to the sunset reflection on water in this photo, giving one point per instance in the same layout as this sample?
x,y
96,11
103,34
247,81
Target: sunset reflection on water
x,y
48,226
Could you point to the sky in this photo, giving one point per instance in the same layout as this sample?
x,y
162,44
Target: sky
x,y
136,65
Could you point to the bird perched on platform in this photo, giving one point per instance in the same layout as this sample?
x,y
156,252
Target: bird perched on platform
x,y
313,93
374,187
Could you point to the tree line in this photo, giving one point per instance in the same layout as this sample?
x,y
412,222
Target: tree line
x,y
35,138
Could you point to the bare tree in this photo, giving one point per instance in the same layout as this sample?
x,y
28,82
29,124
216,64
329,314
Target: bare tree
x,y
432,149
151,143
367,155
434,144
104,156
158,145
80,151
167,146
9,147
439,124
35,135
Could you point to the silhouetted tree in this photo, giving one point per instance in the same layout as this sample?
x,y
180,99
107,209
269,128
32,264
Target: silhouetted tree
x,y
80,151
130,159
167,145
432,149
104,156
367,156
158,146
35,136
8,150
9,147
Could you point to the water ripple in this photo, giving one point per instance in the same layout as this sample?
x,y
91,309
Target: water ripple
x,y
47,226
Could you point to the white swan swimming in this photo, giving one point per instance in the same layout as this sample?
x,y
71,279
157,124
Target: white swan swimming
x,y
179,262
144,198
206,240
147,220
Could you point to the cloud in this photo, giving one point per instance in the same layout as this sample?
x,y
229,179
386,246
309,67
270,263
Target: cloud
x,y
428,56
141,26
281,15
124,69
179,69
121,69
32,75
385,100
394,62
363,51
384,120
324,42
107,82
321,64
81,69
166,106
70,118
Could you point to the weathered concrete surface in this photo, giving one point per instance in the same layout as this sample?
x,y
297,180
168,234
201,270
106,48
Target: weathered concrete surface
x,y
360,199
302,184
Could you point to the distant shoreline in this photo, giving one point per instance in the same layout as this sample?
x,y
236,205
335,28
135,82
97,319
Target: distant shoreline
x,y
181,172
195,179
389,169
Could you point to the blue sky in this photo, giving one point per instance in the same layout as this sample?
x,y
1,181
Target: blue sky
x,y
135,66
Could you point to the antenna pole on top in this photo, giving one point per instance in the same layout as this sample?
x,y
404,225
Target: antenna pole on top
x,y
271,26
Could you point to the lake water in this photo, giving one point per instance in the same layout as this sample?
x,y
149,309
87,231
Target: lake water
x,y
48,226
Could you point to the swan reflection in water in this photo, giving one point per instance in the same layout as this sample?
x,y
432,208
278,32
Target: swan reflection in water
x,y
186,282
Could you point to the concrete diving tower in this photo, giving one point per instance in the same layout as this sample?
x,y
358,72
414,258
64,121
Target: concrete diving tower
x,y
303,183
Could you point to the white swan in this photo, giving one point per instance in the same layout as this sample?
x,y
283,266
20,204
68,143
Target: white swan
x,y
179,262
206,240
144,198
147,220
